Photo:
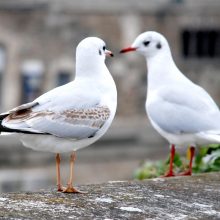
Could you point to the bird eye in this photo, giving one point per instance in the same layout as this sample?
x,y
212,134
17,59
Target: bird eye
x,y
146,43
104,48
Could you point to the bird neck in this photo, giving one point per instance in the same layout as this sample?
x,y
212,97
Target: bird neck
x,y
94,71
162,71
87,65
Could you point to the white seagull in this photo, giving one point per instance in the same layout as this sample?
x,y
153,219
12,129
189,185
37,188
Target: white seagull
x,y
181,111
72,116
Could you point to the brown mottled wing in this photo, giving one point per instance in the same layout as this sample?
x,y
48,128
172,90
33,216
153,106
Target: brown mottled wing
x,y
22,109
93,117
75,123
14,120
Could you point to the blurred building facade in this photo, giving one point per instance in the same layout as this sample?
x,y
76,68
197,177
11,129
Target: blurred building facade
x,y
38,41
37,53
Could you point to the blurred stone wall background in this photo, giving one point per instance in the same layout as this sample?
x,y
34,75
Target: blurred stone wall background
x,y
37,53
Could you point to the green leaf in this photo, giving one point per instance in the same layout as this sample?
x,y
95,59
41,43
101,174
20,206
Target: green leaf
x,y
207,159
177,160
217,162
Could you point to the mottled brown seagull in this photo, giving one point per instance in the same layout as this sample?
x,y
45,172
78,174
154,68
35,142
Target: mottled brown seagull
x,y
72,116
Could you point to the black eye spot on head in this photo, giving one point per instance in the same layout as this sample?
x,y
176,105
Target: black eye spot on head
x,y
100,52
159,45
146,43
104,48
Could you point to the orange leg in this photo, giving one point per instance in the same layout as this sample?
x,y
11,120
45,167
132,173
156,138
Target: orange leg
x,y
70,188
189,171
172,154
59,186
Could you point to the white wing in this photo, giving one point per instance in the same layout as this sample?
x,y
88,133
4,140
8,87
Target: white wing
x,y
184,110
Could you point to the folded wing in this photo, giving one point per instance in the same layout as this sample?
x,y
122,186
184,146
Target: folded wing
x,y
70,123
184,111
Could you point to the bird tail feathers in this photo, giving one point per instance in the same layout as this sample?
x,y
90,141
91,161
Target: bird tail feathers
x,y
210,138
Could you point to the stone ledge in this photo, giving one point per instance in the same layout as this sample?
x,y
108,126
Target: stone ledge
x,y
196,197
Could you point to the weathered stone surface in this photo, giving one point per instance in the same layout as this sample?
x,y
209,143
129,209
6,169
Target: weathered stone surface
x,y
196,197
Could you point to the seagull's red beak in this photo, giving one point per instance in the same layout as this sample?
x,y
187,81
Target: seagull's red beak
x,y
128,49
109,53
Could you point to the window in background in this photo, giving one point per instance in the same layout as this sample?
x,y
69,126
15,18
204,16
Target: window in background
x,y
32,73
200,43
2,69
178,1
63,77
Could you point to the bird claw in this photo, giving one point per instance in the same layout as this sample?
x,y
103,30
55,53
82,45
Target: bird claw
x,y
71,189
186,173
169,174
60,188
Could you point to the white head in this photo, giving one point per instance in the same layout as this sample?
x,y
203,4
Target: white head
x,y
92,48
149,44
90,56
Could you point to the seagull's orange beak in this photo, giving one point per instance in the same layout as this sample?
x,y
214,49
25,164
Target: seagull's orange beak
x,y
128,49
109,53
